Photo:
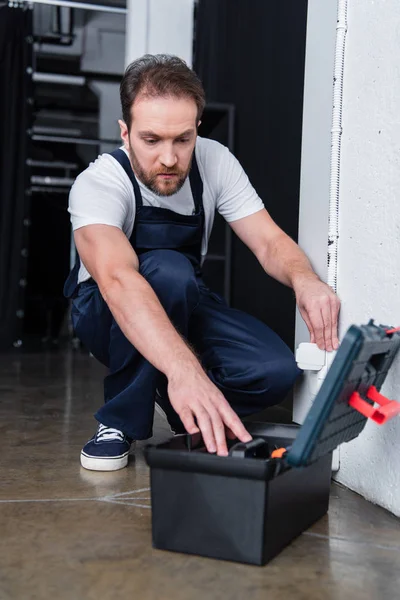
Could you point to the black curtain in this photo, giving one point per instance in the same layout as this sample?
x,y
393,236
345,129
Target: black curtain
x,y
251,54
15,59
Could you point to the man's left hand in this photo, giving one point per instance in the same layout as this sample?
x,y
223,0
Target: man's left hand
x,y
319,306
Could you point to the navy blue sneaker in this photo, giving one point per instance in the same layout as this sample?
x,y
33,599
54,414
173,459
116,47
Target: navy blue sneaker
x,y
108,450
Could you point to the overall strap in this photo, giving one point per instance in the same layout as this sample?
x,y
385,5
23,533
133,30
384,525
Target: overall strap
x,y
196,185
121,157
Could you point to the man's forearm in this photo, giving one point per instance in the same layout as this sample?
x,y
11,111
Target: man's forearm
x,y
145,323
284,260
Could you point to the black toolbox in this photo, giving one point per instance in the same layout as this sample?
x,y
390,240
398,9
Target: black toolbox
x,y
248,506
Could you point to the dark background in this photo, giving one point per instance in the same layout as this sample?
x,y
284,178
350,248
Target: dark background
x,y
251,54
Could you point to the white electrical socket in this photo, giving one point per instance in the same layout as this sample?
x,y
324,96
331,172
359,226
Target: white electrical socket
x,y
309,357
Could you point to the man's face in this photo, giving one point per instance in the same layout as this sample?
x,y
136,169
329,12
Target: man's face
x,y
161,141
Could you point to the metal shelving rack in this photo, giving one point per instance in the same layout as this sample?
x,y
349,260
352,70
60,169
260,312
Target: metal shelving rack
x,y
27,120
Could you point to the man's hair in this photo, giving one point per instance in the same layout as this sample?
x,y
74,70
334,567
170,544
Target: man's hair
x,y
159,75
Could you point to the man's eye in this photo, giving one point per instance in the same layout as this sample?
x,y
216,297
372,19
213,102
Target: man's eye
x,y
184,140
151,142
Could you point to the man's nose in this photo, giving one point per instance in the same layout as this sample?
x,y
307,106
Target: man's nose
x,y
168,157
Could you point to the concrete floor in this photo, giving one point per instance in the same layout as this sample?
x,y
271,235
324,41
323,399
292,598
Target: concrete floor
x,y
67,533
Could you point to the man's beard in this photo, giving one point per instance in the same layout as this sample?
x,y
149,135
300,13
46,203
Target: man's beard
x,y
151,178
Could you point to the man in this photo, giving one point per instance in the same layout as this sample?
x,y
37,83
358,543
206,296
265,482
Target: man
x,y
142,217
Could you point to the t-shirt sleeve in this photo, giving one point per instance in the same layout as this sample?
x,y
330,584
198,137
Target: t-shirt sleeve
x,y
236,196
100,196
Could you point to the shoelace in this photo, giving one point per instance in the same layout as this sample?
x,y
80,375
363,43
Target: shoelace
x,y
109,434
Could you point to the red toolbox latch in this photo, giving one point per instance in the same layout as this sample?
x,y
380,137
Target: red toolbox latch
x,y
386,411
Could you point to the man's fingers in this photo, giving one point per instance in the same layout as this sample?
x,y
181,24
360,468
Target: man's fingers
x,y
219,432
307,321
211,414
211,427
319,306
188,421
207,431
327,320
233,423
229,434
335,307
318,327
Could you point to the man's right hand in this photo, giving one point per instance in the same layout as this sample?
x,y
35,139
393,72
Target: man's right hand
x,y
197,400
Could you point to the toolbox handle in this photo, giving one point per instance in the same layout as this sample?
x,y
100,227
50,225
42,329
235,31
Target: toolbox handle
x,y
388,409
257,448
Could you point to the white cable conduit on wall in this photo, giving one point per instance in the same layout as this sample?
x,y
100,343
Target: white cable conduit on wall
x,y
333,231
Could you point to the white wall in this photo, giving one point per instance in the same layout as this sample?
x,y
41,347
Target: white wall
x,y
159,26
369,244
369,222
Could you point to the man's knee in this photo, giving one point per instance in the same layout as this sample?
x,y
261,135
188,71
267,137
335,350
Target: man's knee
x,y
271,379
168,271
281,378
167,266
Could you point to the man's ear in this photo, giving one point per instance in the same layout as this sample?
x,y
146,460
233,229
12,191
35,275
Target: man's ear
x,y
198,124
124,133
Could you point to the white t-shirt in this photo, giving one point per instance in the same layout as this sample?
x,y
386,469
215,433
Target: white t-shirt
x,y
103,193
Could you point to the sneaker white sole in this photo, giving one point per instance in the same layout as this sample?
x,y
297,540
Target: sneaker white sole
x,y
104,464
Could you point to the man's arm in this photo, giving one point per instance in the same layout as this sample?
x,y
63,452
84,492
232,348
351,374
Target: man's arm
x,y
113,264
283,259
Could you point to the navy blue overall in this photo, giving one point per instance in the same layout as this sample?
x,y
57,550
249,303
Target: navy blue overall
x,y
248,362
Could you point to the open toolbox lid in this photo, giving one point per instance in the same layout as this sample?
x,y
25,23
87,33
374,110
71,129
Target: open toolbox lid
x,y
346,398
